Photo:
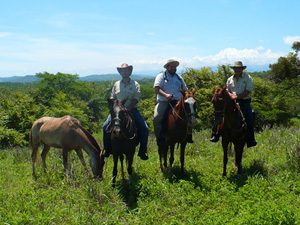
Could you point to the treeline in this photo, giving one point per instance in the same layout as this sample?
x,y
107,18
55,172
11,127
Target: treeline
x,y
275,100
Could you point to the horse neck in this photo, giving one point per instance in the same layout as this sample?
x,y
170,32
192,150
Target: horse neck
x,y
90,145
179,108
232,113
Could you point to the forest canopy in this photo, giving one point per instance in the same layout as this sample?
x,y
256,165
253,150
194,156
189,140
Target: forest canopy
x,y
275,99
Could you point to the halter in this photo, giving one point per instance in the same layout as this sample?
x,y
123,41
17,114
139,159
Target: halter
x,y
224,118
188,115
127,126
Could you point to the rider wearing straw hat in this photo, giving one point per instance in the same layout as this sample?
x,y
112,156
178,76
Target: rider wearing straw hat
x,y
239,86
130,89
167,85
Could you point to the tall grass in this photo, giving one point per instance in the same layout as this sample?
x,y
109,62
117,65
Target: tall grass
x,y
267,193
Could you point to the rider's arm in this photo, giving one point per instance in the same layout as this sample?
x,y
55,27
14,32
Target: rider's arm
x,y
242,95
132,104
159,91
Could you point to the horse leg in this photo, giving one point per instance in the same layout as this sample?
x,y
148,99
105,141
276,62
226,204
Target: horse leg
x,y
129,160
122,166
44,154
160,152
182,154
115,169
225,157
65,159
171,159
238,157
80,156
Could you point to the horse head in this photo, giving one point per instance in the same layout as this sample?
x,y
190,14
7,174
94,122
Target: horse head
x,y
223,103
118,115
189,105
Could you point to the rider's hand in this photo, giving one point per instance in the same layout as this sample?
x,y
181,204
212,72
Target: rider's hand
x,y
233,95
169,97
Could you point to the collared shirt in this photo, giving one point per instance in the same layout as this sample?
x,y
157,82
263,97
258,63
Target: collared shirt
x,y
245,82
131,90
170,85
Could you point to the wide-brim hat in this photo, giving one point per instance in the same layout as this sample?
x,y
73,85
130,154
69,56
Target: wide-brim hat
x,y
238,64
171,61
125,67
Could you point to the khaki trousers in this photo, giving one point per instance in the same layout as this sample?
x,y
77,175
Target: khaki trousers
x,y
159,112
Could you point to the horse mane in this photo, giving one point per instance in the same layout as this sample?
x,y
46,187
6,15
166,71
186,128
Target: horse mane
x,y
91,138
222,90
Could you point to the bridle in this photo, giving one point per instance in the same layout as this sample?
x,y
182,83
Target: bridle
x,y
224,117
129,125
187,115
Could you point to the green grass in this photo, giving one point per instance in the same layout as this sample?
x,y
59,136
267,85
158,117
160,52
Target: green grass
x,y
267,193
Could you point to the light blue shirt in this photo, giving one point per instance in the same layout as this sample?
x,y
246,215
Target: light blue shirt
x,y
170,85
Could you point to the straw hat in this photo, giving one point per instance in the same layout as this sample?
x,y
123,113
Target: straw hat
x,y
171,61
125,67
238,64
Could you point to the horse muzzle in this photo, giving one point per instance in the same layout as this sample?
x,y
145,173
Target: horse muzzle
x,y
117,132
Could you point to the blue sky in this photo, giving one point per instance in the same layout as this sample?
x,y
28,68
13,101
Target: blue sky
x,y
95,36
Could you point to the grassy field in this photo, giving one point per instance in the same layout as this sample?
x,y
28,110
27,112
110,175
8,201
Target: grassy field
x,y
267,193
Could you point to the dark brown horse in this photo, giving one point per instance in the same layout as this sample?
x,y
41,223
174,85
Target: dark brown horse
x,y
232,126
66,133
123,137
181,118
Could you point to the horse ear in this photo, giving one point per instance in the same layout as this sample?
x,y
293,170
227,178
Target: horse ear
x,y
182,92
193,91
214,88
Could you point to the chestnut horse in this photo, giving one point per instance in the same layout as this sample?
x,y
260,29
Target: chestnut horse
x,y
123,137
232,126
66,133
181,118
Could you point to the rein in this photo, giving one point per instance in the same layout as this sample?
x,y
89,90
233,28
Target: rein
x,y
225,118
129,125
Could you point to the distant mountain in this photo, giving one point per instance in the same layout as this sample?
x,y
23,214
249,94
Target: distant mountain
x,y
95,77
22,79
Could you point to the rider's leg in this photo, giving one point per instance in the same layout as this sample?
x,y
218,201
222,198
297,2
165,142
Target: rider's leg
x,y
248,114
143,131
159,112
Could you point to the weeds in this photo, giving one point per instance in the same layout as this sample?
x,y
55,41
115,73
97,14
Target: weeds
x,y
267,193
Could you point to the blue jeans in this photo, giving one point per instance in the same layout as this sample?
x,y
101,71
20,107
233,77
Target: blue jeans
x,y
249,117
142,131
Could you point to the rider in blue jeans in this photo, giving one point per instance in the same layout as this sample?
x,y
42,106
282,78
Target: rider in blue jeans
x,y
240,86
130,89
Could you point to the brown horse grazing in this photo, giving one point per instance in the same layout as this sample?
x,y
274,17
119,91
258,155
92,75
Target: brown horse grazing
x,y
66,133
123,138
232,126
181,118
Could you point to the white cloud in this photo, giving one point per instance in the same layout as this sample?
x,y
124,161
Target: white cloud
x,y
290,40
23,55
227,56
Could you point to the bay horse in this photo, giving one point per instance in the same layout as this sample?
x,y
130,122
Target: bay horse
x,y
181,118
232,126
123,137
66,133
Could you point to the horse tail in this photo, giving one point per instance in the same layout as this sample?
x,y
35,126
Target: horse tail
x,y
35,151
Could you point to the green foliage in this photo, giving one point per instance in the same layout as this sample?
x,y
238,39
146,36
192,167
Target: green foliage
x,y
267,193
